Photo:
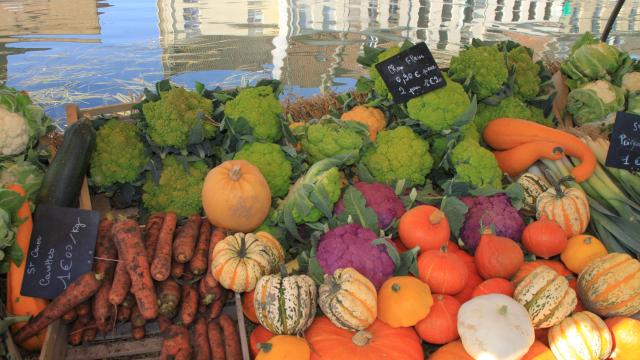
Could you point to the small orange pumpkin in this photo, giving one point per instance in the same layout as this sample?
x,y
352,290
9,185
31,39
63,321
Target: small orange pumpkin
x,y
467,259
473,280
444,272
529,266
544,238
370,116
236,196
498,256
626,337
582,250
441,325
247,307
403,301
451,351
284,347
494,286
259,335
425,226
539,351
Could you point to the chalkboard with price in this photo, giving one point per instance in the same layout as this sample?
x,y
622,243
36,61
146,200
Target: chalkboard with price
x,y
411,73
624,148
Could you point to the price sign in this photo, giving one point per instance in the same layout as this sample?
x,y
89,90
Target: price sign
x,y
62,247
411,73
624,148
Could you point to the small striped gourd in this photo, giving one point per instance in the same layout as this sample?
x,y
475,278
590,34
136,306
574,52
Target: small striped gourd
x,y
348,299
610,286
582,336
568,207
533,186
285,304
547,297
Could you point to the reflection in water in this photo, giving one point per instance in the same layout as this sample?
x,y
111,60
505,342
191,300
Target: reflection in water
x,y
91,51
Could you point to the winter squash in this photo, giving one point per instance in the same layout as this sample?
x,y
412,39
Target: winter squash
x,y
284,347
582,336
273,243
236,196
544,238
425,226
580,251
610,285
547,297
529,266
443,271
494,286
451,351
568,207
497,256
626,337
285,304
473,280
248,309
453,247
259,335
467,259
539,351
378,341
370,116
348,299
542,335
495,327
533,186
403,301
239,260
440,326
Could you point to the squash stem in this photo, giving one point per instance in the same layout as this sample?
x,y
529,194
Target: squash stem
x,y
502,310
362,338
243,247
235,173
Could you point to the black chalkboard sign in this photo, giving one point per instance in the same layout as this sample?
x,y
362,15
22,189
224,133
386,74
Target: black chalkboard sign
x,y
411,73
624,148
62,247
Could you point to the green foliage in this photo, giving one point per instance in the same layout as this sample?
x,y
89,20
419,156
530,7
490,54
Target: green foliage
x,y
356,210
439,109
22,172
483,68
594,101
329,138
120,154
272,163
509,107
261,110
526,79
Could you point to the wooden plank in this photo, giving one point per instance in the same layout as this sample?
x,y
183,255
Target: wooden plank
x,y
115,349
104,110
244,344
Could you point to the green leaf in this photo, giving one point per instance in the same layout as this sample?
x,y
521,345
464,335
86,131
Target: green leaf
x,y
11,201
363,173
163,86
409,262
455,211
355,206
515,192
400,186
200,88
468,115
364,85
315,270
196,134
14,253
370,56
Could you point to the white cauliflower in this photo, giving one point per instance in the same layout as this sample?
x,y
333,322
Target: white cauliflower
x,y
631,81
14,133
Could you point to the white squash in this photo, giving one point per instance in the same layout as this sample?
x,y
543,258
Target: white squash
x,y
495,327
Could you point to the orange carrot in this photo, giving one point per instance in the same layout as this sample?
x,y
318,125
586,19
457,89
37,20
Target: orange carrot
x,y
217,305
102,309
124,310
177,269
518,159
216,343
185,241
106,252
217,235
231,338
77,292
198,264
137,319
208,293
168,297
121,284
163,323
176,343
154,225
76,331
83,309
70,316
128,240
161,264
138,333
90,331
189,304
201,340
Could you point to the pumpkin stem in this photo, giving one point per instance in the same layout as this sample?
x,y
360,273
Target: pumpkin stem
x,y
283,270
266,347
362,338
243,246
587,240
502,310
235,173
436,217
395,287
444,248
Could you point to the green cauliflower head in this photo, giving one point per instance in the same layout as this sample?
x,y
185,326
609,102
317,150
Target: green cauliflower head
x,y
438,110
475,165
509,107
379,86
594,101
484,65
119,156
631,81
261,109
272,163
179,190
22,172
399,154
526,79
171,118
330,138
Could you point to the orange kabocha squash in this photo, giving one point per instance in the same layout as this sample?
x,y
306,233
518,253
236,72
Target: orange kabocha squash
x,y
247,306
494,286
425,226
473,280
370,116
626,337
544,238
582,250
529,266
284,347
403,301
451,351
441,325
498,256
443,271
539,351
259,335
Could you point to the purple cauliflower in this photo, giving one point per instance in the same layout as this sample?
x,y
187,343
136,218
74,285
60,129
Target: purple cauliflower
x,y
352,246
496,211
381,198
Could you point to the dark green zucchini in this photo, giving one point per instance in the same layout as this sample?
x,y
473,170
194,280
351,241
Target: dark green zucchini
x,y
63,180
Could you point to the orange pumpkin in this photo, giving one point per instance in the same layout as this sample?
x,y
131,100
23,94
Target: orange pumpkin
x,y
544,238
542,335
259,335
467,259
247,307
473,280
529,266
626,337
494,286
444,272
441,325
403,301
236,196
498,256
453,247
284,347
451,351
378,341
425,226
370,116
582,250
539,351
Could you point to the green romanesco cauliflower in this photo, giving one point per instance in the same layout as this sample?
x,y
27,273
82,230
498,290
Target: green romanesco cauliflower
x,y
439,109
526,79
120,156
178,190
485,66
272,163
399,154
509,107
329,138
171,118
329,181
379,86
261,109
474,164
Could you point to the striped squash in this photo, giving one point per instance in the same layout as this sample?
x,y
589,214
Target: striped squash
x,y
582,336
533,186
568,207
610,285
348,299
274,244
240,260
547,297
285,305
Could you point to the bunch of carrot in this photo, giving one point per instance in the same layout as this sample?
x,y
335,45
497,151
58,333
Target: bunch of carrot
x,y
161,274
